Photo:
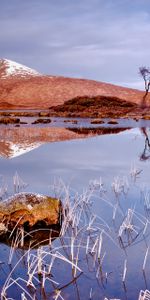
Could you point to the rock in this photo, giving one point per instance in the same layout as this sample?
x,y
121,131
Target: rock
x,y
28,210
113,122
3,229
8,120
43,121
97,121
135,119
146,117
44,114
71,121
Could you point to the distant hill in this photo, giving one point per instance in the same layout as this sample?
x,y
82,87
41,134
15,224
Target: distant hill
x,y
22,87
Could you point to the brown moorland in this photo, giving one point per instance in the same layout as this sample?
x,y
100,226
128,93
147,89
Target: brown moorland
x,y
23,88
42,92
97,107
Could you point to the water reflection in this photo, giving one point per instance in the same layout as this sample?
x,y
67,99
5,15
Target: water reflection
x,y
39,236
106,156
17,141
98,130
146,152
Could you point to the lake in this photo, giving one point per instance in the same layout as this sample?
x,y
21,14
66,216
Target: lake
x,y
102,178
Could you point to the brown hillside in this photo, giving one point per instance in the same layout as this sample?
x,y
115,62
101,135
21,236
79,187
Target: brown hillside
x,y
44,91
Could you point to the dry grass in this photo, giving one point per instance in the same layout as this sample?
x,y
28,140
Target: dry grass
x,y
82,247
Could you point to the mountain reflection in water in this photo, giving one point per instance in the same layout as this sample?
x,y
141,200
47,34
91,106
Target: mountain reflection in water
x,y
104,163
17,141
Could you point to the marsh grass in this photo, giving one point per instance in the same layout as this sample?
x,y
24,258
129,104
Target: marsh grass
x,y
18,183
3,187
144,295
83,251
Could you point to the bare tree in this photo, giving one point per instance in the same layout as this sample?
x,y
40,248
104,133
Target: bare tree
x,y
145,73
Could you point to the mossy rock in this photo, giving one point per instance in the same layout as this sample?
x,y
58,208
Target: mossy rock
x,y
26,209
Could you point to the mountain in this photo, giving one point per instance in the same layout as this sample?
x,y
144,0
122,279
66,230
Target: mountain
x,y
9,68
22,87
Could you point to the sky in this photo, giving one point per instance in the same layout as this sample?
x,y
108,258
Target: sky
x,y
105,40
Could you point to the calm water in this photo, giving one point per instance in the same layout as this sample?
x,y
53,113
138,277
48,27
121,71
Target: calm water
x,y
82,164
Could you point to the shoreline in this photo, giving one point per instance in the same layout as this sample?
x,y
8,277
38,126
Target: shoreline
x,y
138,113
97,107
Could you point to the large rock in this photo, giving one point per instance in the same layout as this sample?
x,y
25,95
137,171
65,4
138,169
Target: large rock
x,y
29,210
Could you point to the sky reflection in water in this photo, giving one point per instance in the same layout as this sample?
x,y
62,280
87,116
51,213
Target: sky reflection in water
x,y
77,162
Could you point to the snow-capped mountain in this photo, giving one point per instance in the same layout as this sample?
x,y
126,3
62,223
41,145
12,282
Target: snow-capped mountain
x,y
10,68
22,87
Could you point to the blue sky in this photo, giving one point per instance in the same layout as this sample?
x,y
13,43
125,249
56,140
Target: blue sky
x,y
105,40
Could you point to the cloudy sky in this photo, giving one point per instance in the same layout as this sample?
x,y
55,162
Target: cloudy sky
x,y
105,40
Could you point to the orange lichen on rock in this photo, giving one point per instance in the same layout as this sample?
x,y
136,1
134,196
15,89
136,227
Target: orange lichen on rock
x,y
30,209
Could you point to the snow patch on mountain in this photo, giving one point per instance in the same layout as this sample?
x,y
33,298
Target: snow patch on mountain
x,y
10,68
